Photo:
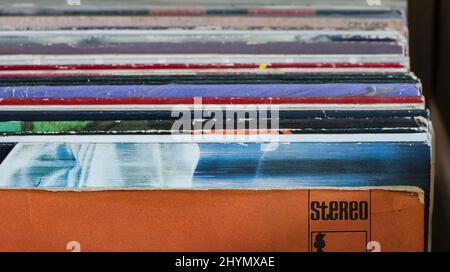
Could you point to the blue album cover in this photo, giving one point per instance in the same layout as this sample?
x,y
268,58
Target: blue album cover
x,y
292,161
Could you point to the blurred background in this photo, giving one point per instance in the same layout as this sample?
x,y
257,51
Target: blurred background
x,y
430,57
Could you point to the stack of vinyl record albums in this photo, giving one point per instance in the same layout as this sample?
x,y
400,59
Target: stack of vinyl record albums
x,y
211,126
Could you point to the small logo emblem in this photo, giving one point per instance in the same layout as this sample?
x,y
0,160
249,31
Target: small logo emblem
x,y
319,242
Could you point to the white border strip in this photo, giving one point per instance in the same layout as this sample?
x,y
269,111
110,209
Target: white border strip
x,y
188,71
263,138
179,32
158,107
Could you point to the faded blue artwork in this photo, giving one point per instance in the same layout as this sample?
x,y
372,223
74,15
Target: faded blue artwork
x,y
216,90
214,165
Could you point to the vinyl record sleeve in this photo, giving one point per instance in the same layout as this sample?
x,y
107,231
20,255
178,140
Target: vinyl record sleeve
x,y
225,220
222,59
213,91
230,124
216,161
200,42
331,48
389,8
170,104
49,115
211,22
213,79
199,69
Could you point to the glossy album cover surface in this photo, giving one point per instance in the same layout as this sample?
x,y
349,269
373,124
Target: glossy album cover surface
x,y
294,161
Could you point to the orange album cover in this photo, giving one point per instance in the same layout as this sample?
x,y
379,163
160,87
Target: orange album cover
x,y
298,220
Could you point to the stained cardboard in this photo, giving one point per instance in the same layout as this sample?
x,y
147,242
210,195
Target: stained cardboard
x,y
205,220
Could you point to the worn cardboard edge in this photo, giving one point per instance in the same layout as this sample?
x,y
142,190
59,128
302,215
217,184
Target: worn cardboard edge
x,y
409,189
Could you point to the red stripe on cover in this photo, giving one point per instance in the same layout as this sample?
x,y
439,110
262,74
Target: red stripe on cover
x,y
197,66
